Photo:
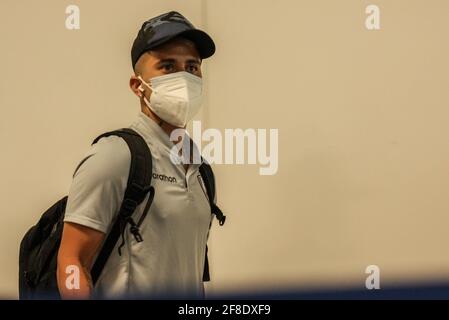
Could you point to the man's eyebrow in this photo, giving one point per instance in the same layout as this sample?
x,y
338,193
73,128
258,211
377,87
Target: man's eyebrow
x,y
169,60
197,61
166,61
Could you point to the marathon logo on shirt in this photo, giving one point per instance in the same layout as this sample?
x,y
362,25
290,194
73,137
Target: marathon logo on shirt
x,y
163,177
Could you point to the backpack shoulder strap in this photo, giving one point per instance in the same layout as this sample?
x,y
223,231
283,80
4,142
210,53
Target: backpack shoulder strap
x,y
209,181
138,186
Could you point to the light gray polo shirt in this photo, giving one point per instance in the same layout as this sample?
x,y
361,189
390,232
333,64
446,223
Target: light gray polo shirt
x,y
171,258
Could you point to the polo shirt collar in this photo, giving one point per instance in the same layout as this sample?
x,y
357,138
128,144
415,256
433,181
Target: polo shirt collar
x,y
155,135
152,132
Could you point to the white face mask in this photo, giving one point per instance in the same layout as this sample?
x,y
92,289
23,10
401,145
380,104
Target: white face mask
x,y
176,97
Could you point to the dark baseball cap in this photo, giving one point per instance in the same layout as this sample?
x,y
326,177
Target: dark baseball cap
x,y
167,26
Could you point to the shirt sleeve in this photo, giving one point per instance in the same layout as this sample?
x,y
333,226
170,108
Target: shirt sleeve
x,y
98,187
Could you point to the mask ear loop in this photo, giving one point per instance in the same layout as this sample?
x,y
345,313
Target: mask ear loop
x,y
142,90
145,83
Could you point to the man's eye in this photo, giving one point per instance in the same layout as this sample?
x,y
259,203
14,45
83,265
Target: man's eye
x,y
192,68
168,67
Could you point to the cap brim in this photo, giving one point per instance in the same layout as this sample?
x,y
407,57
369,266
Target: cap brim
x,y
203,42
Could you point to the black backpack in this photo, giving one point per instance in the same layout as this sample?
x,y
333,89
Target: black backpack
x,y
39,246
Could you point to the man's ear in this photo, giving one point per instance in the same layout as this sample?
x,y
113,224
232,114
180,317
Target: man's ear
x,y
136,86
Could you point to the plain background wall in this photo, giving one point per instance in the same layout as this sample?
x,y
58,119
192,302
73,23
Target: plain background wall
x,y
362,116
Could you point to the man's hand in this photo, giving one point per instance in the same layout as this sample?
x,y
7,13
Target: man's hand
x,y
79,244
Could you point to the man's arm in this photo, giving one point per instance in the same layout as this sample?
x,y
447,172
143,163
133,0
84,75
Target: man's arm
x,y
93,202
79,245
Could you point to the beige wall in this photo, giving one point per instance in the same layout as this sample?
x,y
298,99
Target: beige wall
x,y
363,143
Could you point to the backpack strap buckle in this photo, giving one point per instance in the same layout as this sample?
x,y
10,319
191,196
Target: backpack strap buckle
x,y
219,214
128,207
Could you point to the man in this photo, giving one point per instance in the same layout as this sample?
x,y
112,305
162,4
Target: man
x,y
166,57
